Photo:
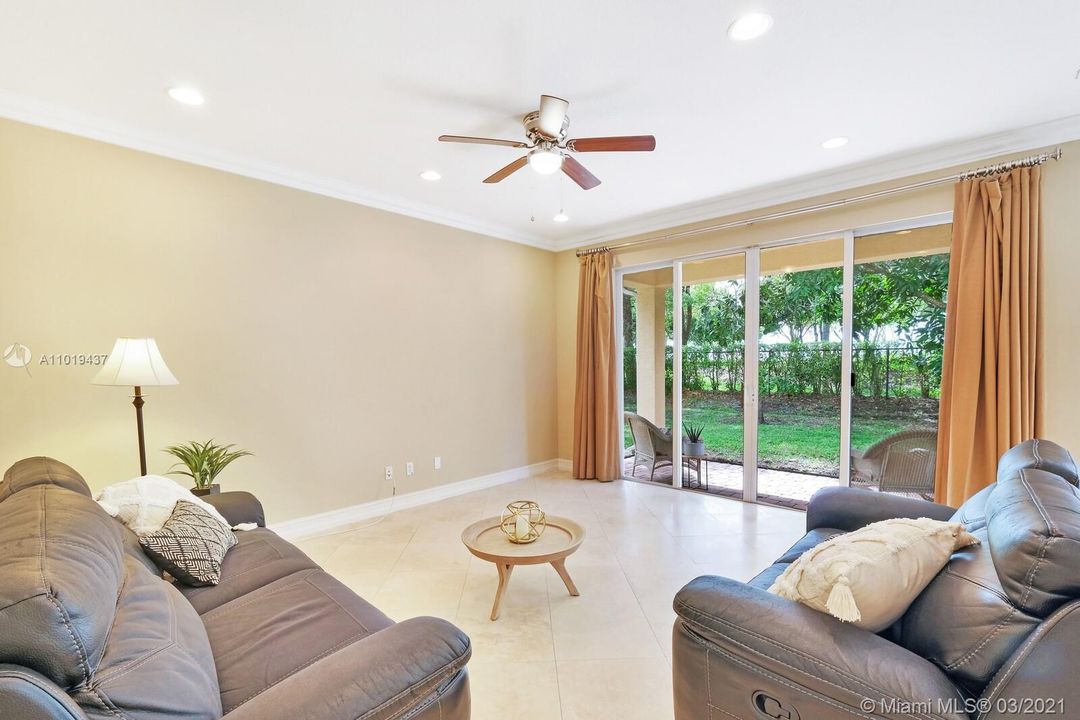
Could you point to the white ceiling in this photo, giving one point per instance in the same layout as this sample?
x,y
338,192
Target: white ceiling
x,y
347,97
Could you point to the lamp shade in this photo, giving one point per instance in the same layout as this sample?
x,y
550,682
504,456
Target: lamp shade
x,y
135,361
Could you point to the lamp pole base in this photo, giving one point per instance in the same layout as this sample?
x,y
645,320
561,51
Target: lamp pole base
x,y
138,402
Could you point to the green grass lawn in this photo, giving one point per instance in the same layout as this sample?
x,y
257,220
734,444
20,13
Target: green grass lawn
x,y
800,434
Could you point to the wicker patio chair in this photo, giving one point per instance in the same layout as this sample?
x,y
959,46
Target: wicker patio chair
x,y
901,463
652,445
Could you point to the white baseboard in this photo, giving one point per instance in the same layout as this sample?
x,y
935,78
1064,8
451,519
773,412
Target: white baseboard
x,y
349,517
564,464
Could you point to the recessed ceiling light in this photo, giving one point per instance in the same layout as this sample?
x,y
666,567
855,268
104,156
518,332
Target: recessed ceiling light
x,y
903,232
833,143
186,95
430,175
561,217
750,26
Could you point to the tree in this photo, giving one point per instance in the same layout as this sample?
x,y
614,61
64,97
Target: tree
x,y
900,299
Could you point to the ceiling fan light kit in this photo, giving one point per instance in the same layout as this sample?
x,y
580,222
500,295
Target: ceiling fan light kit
x,y
549,148
545,160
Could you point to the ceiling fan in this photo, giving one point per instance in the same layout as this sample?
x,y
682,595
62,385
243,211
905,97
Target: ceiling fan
x,y
549,147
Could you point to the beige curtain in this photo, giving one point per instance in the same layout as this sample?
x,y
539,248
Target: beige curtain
x,y
991,384
596,431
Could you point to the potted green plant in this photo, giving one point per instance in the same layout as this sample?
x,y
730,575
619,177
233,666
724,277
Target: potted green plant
x,y
693,445
203,463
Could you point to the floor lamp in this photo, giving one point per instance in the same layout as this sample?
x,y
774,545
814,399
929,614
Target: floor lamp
x,y
136,362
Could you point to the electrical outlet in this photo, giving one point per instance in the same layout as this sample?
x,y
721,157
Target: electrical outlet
x,y
438,462
409,469
389,472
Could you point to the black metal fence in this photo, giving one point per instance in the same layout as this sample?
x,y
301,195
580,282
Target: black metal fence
x,y
889,370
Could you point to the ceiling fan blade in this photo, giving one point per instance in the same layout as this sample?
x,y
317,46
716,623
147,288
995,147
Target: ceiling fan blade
x,y
579,174
509,170
552,115
481,141
622,143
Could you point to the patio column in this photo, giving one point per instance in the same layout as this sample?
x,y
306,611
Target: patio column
x,y
650,352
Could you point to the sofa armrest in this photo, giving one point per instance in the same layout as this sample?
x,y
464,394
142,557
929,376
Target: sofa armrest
x,y
394,673
29,695
238,506
737,646
849,509
1038,680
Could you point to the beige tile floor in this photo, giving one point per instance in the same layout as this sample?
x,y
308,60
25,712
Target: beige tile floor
x,y
605,654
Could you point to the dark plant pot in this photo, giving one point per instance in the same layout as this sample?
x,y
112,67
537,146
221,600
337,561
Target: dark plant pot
x,y
212,490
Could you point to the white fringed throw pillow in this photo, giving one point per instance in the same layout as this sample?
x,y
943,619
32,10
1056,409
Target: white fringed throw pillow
x,y
145,503
870,576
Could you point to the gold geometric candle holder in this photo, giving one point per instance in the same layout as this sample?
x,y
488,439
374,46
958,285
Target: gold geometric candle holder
x,y
523,521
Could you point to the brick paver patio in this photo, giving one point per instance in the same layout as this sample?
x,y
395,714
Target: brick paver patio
x,y
787,488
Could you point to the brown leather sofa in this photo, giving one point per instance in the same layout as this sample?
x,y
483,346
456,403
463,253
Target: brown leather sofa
x,y
89,629
994,635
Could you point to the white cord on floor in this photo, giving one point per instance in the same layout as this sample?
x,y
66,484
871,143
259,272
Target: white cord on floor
x,y
376,521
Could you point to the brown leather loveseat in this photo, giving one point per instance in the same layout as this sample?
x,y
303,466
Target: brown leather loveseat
x,y
89,629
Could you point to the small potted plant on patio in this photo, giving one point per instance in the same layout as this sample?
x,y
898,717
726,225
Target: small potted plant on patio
x,y
693,444
203,462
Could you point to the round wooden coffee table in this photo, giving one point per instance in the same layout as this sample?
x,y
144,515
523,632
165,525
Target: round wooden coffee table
x,y
486,540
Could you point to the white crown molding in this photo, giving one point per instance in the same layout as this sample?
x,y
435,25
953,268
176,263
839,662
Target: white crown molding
x,y
349,518
892,167
35,112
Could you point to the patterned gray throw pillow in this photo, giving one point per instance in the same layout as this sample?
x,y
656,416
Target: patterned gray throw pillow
x,y
190,546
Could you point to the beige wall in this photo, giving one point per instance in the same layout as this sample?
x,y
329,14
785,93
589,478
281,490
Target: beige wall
x,y
329,338
1061,265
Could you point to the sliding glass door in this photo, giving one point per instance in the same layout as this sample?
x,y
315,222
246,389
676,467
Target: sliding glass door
x,y
770,372
713,338
898,330
800,358
647,362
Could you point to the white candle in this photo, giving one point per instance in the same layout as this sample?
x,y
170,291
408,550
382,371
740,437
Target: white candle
x,y
521,528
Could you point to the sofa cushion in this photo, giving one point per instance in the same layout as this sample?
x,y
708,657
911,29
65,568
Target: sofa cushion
x,y
86,615
134,550
41,471
259,558
1038,455
61,570
990,597
1030,455
1033,524
271,633
157,663
972,514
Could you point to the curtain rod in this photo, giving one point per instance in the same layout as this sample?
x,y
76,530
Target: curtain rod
x,y
997,169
